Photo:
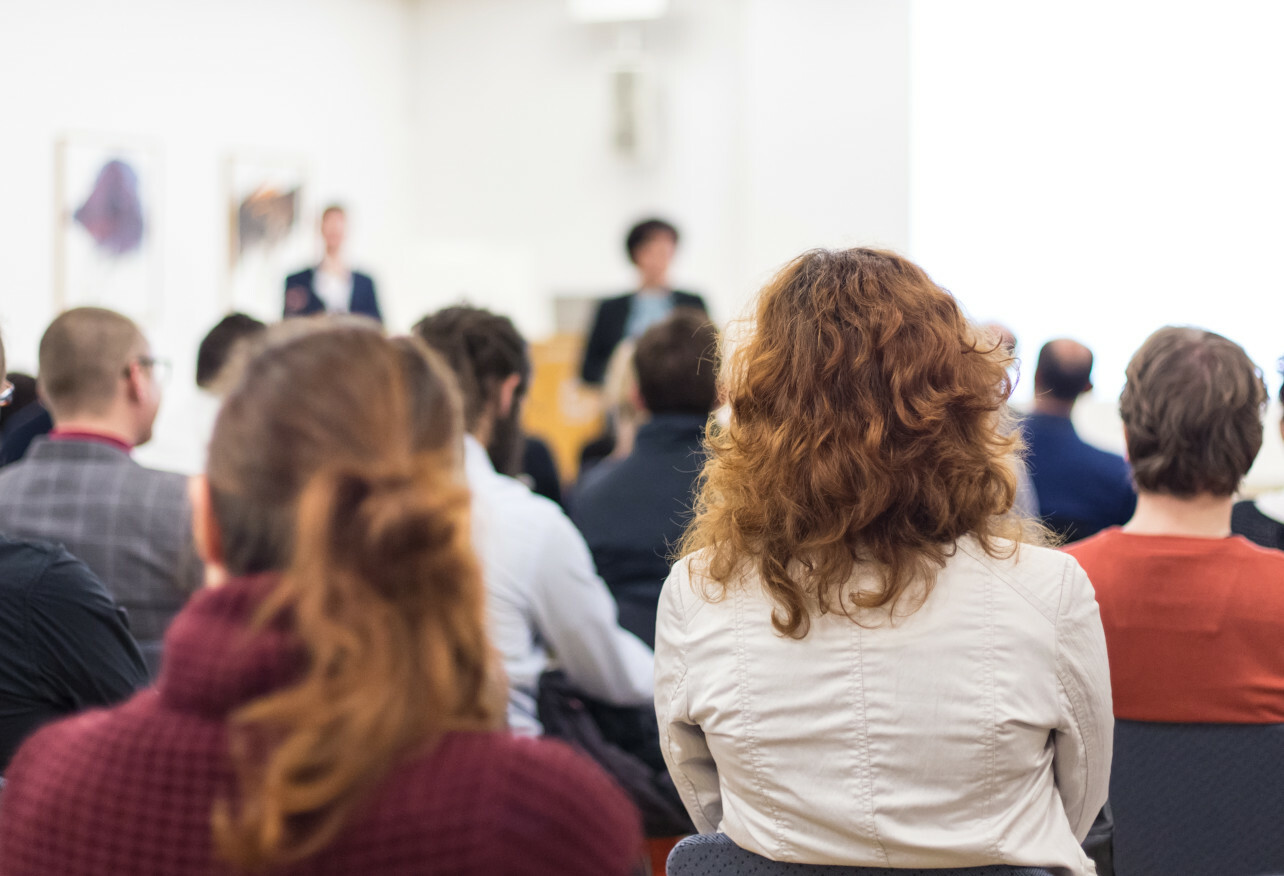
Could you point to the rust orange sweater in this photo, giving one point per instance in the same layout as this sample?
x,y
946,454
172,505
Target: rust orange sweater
x,y
1194,626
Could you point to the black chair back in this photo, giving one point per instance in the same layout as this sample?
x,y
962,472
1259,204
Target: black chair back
x,y
1198,798
716,855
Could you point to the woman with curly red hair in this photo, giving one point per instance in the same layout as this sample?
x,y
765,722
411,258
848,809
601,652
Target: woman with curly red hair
x,y
862,657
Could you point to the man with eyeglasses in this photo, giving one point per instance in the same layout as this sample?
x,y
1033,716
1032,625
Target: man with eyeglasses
x,y
79,485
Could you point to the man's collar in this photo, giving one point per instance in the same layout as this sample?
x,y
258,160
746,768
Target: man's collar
x,y
476,459
93,436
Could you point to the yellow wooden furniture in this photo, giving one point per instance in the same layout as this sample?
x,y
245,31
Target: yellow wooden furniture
x,y
559,408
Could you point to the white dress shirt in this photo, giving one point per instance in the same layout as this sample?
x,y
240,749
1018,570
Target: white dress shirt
x,y
976,730
334,290
548,608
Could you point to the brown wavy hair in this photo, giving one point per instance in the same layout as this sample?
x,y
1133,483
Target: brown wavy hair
x,y
336,462
866,429
1192,410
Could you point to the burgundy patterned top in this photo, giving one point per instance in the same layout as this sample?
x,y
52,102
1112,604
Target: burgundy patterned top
x,y
130,789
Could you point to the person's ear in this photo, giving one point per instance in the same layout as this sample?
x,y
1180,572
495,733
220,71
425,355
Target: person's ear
x,y
205,530
134,381
508,394
635,399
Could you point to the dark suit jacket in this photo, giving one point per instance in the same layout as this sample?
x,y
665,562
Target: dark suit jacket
x,y
608,330
1255,526
633,512
129,524
363,301
64,645
540,468
30,423
1082,490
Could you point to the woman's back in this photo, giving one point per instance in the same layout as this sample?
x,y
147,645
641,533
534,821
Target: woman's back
x,y
928,742
876,666
131,790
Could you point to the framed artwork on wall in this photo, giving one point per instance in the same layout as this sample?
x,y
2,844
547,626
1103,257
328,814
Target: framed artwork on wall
x,y
107,235
269,232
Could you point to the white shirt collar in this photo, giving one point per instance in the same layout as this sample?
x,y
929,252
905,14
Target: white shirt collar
x,y
477,464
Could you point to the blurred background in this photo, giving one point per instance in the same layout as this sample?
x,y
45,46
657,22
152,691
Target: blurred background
x,y
1088,169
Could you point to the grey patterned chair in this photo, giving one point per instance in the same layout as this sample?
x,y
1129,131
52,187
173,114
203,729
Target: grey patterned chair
x,y
1198,798
716,855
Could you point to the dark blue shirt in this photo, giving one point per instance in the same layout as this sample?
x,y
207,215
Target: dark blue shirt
x,y
64,644
26,426
1081,489
1248,520
633,512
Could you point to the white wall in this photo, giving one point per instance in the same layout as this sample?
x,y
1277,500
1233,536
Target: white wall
x,y
327,80
1088,170
468,137
826,127
782,126
1097,170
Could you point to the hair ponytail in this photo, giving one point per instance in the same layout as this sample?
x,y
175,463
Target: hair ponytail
x,y
383,593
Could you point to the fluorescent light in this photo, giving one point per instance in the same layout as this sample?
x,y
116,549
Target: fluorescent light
x,y
617,10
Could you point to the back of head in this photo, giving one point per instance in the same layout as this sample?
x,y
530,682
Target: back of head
x,y
219,345
335,461
482,348
1192,411
676,362
83,356
865,414
1064,371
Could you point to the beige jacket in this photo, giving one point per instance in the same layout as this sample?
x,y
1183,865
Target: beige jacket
x,y
975,731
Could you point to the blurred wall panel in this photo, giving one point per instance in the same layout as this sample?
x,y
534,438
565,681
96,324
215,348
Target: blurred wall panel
x,y
327,80
782,124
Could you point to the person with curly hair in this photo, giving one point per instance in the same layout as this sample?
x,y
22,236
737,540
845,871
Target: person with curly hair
x,y
862,656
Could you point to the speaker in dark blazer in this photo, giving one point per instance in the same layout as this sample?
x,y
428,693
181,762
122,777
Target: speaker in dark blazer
x,y
609,327
301,298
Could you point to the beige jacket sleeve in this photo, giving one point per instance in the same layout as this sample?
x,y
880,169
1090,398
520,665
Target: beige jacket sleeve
x,y
681,740
1084,740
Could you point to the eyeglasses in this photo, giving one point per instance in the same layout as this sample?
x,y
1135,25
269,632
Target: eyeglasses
x,y
6,394
159,367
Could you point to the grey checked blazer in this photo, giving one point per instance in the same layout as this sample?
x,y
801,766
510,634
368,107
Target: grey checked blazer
x,y
131,525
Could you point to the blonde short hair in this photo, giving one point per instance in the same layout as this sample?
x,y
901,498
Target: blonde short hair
x,y
83,354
